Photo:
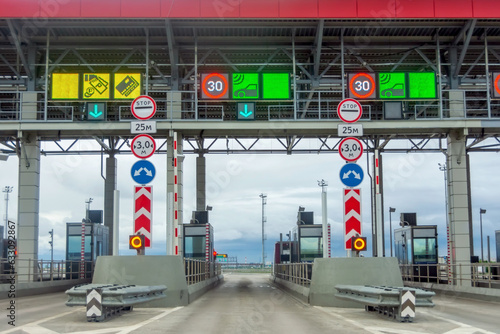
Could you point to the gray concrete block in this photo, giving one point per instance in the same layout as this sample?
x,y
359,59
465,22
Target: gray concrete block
x,y
327,273
146,270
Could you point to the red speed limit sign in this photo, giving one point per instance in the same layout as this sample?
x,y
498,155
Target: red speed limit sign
x,y
214,86
350,149
362,86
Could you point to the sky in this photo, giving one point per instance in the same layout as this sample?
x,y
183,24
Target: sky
x,y
413,183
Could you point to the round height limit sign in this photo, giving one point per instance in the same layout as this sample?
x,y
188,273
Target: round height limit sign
x,y
350,149
143,146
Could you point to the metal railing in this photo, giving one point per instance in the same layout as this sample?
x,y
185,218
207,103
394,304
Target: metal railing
x,y
309,105
198,270
29,270
297,273
474,274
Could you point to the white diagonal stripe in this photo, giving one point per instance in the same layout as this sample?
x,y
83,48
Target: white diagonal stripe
x,y
350,234
350,214
142,230
142,191
141,212
94,295
408,312
352,193
408,295
94,310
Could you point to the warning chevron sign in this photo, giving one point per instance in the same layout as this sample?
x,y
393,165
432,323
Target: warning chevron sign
x,y
143,212
94,303
407,307
352,215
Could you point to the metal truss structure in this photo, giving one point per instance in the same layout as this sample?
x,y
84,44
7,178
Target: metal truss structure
x,y
319,53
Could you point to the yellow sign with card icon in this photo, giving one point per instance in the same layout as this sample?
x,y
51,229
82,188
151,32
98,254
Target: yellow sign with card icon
x,y
127,85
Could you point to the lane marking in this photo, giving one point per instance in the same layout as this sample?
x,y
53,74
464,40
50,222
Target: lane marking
x,y
458,323
147,322
36,323
371,329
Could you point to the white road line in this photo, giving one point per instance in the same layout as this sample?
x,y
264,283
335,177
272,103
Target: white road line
x,y
463,326
36,329
371,329
36,323
147,322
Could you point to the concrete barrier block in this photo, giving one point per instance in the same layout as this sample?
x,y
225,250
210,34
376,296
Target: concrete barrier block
x,y
327,273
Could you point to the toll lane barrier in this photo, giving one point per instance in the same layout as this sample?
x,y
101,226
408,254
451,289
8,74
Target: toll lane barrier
x,y
395,302
104,300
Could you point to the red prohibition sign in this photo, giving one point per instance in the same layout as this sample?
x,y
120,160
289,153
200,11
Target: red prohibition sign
x,y
372,84
497,88
207,92
143,152
349,152
143,107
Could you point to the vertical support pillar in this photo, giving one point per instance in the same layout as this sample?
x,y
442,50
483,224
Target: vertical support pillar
x,y
109,193
201,195
28,207
458,205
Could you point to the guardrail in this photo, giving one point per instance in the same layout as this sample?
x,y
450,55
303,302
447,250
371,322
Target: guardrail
x,y
40,270
298,273
478,274
198,270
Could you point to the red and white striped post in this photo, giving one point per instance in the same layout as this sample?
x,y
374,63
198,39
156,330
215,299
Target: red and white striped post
x,y
176,198
82,253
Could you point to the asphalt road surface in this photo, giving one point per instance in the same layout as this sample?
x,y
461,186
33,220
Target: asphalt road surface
x,y
250,303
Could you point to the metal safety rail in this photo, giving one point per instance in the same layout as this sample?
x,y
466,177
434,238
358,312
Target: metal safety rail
x,y
104,300
43,270
298,273
395,302
485,275
198,270
307,105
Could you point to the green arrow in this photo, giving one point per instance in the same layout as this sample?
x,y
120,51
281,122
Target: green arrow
x,y
96,113
246,113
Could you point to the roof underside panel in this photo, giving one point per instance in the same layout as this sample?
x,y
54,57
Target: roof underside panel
x,y
221,9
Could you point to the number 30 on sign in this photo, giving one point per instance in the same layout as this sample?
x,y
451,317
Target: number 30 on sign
x,y
214,86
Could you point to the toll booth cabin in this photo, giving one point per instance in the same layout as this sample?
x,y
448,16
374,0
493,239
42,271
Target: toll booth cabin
x,y
416,248
285,252
199,237
96,244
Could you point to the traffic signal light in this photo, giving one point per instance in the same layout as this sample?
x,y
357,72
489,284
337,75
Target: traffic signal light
x,y
358,244
214,254
137,242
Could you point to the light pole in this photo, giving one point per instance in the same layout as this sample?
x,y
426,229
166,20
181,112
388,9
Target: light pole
x,y
264,197
323,184
481,212
7,190
391,210
51,242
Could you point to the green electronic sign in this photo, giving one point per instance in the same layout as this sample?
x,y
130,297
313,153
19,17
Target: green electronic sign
x,y
392,85
275,86
422,85
245,86
96,111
